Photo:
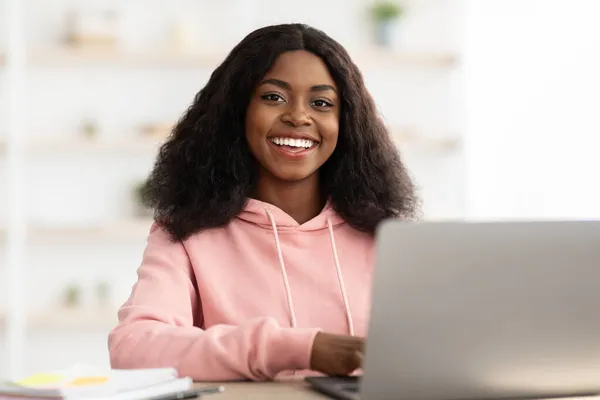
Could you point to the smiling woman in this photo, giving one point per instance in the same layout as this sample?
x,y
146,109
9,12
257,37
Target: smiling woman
x,y
266,199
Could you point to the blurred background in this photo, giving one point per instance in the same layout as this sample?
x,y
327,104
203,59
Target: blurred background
x,y
494,105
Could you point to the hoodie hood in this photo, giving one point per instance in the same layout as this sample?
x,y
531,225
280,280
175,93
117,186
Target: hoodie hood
x,y
256,212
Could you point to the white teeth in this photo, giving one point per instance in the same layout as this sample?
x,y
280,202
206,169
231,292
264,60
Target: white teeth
x,y
305,143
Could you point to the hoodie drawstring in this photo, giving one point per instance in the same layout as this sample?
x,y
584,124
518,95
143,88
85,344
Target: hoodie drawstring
x,y
286,282
340,278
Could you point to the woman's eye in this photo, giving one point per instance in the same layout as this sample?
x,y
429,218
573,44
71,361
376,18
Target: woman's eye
x,y
321,103
272,97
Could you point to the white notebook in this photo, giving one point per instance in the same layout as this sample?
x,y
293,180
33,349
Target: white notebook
x,y
92,383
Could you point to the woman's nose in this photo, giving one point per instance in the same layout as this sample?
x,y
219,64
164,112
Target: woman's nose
x,y
296,116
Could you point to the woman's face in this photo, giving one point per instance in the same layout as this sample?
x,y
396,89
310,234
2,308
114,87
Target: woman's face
x,y
292,120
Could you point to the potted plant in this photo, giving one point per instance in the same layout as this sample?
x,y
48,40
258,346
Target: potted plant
x,y
140,208
385,14
103,293
89,128
72,296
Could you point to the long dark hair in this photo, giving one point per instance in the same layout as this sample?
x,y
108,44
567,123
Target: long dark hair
x,y
204,172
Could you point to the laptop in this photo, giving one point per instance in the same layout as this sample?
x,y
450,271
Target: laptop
x,y
482,310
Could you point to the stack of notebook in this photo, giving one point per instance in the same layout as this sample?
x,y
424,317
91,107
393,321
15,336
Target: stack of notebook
x,y
90,383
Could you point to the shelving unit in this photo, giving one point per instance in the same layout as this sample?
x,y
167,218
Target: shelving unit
x,y
20,147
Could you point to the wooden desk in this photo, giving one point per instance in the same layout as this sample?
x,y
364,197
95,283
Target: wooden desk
x,y
288,390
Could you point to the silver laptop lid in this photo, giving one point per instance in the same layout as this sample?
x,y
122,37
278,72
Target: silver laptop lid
x,y
484,310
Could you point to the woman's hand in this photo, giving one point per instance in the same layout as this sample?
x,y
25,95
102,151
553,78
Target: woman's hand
x,y
336,355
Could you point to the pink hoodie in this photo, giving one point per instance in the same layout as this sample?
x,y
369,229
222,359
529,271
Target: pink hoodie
x,y
245,301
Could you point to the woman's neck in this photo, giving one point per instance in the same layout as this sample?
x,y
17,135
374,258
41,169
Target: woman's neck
x,y
301,200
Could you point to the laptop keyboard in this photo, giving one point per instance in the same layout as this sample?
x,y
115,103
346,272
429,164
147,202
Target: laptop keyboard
x,y
346,387
349,384
349,387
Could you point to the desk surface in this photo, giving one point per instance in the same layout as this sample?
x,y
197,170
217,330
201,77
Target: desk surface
x,y
289,390
292,390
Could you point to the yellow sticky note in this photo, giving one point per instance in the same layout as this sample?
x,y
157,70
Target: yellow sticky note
x,y
88,380
41,380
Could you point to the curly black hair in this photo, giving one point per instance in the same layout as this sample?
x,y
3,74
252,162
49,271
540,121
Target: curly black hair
x,y
204,173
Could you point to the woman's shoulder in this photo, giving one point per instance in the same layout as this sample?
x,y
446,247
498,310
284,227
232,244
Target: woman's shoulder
x,y
160,233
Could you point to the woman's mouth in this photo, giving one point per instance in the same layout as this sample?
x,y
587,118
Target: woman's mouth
x,y
293,148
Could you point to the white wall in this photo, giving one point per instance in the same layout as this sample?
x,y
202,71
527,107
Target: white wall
x,y
532,71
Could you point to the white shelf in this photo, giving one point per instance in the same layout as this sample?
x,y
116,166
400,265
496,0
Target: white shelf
x,y
434,144
385,59
73,319
61,57
69,57
82,145
125,230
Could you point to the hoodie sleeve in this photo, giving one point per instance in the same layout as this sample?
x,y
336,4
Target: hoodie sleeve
x,y
156,327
